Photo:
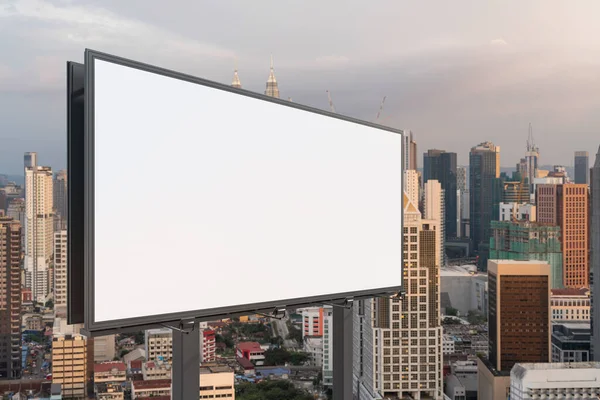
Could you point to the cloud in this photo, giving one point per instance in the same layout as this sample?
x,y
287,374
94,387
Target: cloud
x,y
498,42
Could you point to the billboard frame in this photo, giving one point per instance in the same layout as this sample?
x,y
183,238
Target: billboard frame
x,y
93,328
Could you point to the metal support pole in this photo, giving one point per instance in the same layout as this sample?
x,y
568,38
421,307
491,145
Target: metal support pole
x,y
342,352
186,363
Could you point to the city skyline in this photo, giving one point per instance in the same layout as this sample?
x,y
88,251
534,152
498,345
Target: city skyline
x,y
453,77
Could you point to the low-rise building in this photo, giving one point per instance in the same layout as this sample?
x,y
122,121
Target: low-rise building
x,y
159,345
216,382
153,370
448,345
555,380
251,351
571,342
114,371
109,391
313,346
154,388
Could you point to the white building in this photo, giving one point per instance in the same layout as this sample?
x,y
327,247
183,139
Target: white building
x,y
555,381
328,346
465,288
312,321
313,346
519,212
39,229
448,345
570,304
60,272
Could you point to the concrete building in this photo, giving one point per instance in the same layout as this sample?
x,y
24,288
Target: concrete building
x,y
406,352
448,345
154,389
313,346
104,348
515,192
10,298
567,206
312,321
16,210
60,272
39,230
556,381
595,259
461,384
464,289
208,344
327,346
582,168
159,345
571,342
251,351
60,195
570,304
152,370
435,203
411,185
486,194
525,241
519,301
72,364
441,166
517,212
216,382
114,371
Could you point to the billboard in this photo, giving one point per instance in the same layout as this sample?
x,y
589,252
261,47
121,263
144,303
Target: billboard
x,y
203,200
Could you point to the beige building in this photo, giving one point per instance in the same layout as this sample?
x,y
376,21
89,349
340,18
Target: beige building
x,y
570,304
60,272
155,388
519,322
411,186
39,234
152,370
216,382
104,348
71,356
434,210
159,345
108,379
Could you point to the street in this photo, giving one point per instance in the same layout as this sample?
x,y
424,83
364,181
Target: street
x,y
281,329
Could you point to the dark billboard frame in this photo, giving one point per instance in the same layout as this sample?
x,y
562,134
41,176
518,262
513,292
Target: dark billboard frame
x,y
93,328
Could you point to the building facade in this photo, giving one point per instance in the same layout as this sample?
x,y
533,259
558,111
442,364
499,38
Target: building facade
x,y
582,168
60,271
595,267
570,304
60,196
272,89
571,342
10,298
567,206
441,166
71,362
435,203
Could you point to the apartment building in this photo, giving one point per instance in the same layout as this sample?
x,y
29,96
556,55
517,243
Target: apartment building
x,y
71,359
570,304
60,272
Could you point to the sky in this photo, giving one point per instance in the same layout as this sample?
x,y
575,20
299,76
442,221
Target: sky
x,y
456,73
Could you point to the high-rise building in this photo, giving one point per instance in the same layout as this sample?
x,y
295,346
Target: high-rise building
x,y
60,273
236,83
582,167
441,166
532,159
10,298
208,343
60,195
16,210
272,89
402,356
461,179
567,206
39,236
518,322
327,346
411,185
434,210
595,267
485,195
527,241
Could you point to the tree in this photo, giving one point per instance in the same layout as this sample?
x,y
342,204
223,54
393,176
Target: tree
x,y
49,304
270,390
451,311
140,337
124,353
475,317
295,334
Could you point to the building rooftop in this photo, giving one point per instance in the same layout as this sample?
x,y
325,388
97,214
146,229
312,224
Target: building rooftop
x,y
109,366
249,346
520,370
570,292
153,384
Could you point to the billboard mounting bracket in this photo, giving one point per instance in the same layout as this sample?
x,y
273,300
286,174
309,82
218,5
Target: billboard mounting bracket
x,y
347,304
181,329
277,313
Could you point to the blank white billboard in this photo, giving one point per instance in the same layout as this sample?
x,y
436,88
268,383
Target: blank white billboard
x,y
208,199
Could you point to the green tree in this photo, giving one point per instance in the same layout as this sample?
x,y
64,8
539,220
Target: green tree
x,y
124,353
49,304
451,311
140,337
270,390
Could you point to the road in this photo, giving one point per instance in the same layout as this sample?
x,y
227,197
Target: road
x,y
281,329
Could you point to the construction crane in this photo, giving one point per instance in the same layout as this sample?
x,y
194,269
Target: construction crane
x,y
330,102
380,108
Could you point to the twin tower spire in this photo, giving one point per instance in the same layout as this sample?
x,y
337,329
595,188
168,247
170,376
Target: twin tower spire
x,y
272,89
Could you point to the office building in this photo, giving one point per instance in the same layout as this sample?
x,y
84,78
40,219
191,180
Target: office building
x,y
519,301
567,206
16,210
582,168
272,89
60,272
515,192
411,185
157,388
571,342
409,145
441,166
595,266
485,195
528,241
570,305
555,381
60,196
72,364
435,203
402,356
39,235
216,382
10,298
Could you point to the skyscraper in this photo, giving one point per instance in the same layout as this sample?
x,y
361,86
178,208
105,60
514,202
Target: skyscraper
x,y
595,267
519,322
402,355
236,83
60,195
485,195
16,210
10,298
40,235
60,273
441,166
434,210
567,206
272,89
582,168
532,159
30,159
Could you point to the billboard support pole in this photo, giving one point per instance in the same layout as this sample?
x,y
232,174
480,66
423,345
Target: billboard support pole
x,y
186,362
342,351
